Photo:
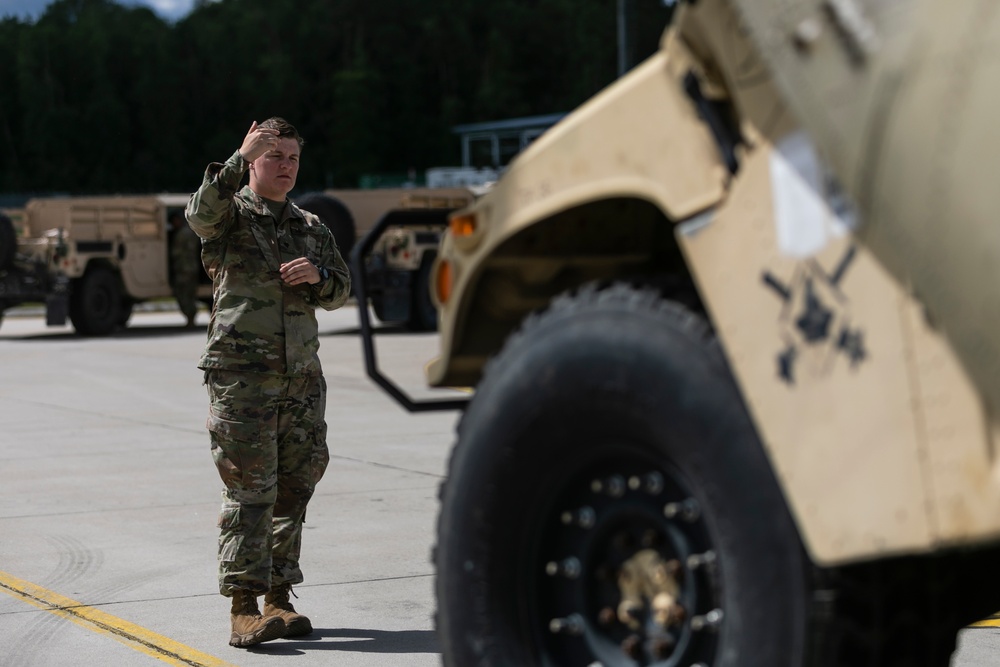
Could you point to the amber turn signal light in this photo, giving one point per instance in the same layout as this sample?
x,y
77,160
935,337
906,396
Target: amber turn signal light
x,y
462,225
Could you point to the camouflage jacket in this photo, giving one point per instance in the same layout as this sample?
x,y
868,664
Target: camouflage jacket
x,y
259,323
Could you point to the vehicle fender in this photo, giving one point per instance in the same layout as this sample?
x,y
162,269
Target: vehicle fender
x,y
876,433
592,155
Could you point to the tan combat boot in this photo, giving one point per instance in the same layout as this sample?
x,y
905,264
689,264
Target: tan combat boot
x,y
249,627
276,603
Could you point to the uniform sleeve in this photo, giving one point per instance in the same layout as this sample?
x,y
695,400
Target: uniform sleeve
x,y
211,209
333,292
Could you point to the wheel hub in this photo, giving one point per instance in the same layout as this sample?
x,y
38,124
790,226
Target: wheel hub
x,y
629,575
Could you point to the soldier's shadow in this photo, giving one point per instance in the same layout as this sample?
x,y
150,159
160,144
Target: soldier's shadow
x,y
356,641
380,330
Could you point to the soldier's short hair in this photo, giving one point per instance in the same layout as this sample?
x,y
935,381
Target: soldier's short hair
x,y
284,128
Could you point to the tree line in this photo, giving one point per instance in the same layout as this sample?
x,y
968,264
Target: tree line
x,y
96,97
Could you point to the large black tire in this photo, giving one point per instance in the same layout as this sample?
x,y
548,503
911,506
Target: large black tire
x,y
95,302
423,312
8,242
335,216
601,417
125,313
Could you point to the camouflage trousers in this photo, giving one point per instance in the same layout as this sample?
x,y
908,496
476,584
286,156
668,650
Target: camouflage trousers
x,y
268,438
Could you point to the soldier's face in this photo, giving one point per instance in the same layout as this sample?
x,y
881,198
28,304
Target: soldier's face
x,y
273,174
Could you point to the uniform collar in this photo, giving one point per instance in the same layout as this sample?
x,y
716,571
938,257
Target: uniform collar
x,y
257,205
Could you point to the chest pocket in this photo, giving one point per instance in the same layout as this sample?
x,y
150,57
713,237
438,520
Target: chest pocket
x,y
300,240
244,249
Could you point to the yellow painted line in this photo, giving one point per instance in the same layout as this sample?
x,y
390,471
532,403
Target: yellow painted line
x,y
131,635
991,622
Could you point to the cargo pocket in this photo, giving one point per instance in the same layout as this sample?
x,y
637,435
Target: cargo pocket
x,y
230,532
232,442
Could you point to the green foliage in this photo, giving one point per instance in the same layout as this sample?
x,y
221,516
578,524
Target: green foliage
x,y
98,97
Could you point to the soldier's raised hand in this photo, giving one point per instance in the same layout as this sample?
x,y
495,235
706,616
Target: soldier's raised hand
x,y
258,141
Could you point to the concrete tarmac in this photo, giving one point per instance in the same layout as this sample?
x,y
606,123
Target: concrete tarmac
x,y
109,500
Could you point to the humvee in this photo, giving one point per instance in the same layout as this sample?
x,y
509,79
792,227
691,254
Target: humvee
x,y
93,258
730,328
398,268
90,259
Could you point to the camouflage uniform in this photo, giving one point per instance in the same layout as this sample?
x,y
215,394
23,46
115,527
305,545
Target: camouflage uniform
x,y
266,389
184,249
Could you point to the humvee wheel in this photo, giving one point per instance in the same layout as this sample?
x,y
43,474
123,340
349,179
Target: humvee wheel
x,y
608,503
8,242
423,312
334,215
95,302
125,313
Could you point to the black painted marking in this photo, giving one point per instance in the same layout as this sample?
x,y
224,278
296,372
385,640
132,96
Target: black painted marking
x,y
814,323
777,286
786,364
815,319
841,269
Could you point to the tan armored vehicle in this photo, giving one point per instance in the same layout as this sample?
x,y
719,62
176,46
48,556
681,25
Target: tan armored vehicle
x,y
93,258
90,258
399,267
732,328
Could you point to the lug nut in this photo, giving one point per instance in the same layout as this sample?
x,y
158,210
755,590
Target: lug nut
x,y
687,510
571,625
585,517
654,483
614,486
695,561
569,568
710,621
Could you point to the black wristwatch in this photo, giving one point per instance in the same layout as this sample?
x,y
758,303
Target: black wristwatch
x,y
324,274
